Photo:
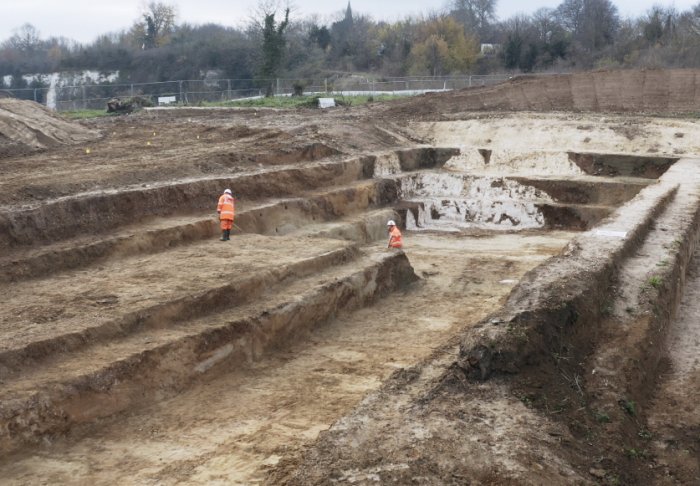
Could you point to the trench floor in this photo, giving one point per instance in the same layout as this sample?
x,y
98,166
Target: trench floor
x,y
674,415
232,428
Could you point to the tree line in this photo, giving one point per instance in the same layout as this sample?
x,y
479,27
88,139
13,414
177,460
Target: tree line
x,y
464,37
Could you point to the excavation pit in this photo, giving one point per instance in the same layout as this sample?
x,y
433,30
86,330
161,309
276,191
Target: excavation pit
x,y
94,356
139,348
330,223
453,197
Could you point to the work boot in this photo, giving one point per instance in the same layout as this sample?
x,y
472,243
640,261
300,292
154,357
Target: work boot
x,y
223,235
228,235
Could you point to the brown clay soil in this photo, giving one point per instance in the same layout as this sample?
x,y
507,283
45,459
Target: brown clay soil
x,y
646,91
110,366
674,417
29,127
165,146
232,429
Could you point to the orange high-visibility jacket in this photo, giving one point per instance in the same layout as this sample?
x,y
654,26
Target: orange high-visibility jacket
x,y
226,207
395,238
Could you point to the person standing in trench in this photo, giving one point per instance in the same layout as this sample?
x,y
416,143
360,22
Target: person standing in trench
x,y
226,210
395,238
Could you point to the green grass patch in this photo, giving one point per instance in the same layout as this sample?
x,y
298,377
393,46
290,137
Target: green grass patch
x,y
85,114
629,406
693,115
286,102
274,102
306,101
633,453
364,99
602,417
528,400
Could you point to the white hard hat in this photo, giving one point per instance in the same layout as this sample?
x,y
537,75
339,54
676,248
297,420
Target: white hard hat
x,y
391,223
227,191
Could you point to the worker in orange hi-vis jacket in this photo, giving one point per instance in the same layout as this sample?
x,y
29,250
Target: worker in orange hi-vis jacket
x,y
226,210
395,238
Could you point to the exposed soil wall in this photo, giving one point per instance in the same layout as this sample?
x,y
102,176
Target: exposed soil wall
x,y
622,165
451,199
572,216
581,191
235,343
673,417
664,91
551,301
67,217
545,432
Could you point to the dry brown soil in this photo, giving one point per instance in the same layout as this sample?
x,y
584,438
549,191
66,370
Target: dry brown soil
x,y
260,421
231,429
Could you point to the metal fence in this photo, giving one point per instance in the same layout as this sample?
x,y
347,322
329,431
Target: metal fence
x,y
197,92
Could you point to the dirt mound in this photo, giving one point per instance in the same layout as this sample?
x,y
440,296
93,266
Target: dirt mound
x,y
657,91
26,126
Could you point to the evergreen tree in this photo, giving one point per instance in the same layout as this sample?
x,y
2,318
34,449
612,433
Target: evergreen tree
x,y
273,48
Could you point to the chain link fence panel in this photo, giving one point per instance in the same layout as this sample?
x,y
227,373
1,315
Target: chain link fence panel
x,y
198,92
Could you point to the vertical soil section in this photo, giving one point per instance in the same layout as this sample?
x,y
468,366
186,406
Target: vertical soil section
x,y
612,91
674,415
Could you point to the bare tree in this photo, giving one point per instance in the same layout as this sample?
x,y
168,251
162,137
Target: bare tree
x,y
484,11
25,38
475,15
593,23
545,22
694,19
158,23
570,13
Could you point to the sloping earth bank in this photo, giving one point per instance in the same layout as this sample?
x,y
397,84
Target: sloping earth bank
x,y
28,127
553,388
233,429
674,415
651,91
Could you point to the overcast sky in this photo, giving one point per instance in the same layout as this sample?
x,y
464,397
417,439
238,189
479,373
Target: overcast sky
x,y
83,20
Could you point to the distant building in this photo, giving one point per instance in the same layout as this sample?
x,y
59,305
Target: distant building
x,y
490,49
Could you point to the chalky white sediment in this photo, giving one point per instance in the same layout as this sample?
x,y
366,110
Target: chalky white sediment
x,y
454,200
512,162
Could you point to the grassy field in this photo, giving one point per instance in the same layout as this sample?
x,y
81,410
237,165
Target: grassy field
x,y
85,114
308,101
288,102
